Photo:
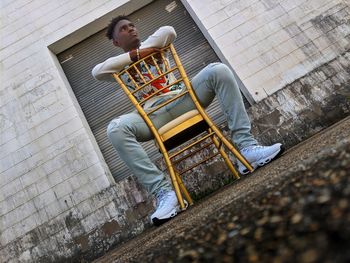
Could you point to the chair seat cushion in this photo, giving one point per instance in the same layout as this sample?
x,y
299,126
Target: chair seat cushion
x,y
183,128
181,119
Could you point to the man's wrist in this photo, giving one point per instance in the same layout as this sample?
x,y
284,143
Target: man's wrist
x,y
134,55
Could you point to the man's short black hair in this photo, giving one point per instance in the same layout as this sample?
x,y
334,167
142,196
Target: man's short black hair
x,y
114,21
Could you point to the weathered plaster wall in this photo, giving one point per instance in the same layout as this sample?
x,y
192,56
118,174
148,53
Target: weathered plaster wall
x,y
57,197
271,43
291,115
293,57
306,106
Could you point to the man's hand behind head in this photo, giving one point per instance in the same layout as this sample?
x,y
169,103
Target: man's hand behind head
x,y
147,51
144,52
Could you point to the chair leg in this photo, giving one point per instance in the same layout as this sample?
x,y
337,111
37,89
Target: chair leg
x,y
183,189
225,157
174,180
233,150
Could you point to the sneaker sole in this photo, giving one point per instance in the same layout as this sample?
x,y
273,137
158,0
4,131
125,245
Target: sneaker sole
x,y
159,221
271,158
263,162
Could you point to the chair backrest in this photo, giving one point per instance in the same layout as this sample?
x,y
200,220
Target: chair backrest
x,y
155,81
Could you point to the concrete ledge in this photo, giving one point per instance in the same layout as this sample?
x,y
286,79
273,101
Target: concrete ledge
x,y
306,106
87,230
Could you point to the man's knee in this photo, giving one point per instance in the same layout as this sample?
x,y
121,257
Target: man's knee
x,y
220,70
117,130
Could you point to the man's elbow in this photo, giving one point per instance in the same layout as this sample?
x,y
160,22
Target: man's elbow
x,y
170,32
98,75
94,71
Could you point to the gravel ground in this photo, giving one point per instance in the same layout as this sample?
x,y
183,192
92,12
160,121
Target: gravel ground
x,y
296,209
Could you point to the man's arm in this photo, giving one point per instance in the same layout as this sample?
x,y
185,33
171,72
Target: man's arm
x,y
104,70
161,38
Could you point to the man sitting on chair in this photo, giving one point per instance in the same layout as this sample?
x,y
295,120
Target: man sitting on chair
x,y
126,131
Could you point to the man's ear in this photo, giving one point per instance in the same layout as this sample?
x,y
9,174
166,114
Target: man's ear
x,y
115,42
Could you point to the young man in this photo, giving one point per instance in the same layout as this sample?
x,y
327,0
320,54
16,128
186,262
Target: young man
x,y
125,132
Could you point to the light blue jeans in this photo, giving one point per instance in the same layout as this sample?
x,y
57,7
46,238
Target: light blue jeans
x,y
126,131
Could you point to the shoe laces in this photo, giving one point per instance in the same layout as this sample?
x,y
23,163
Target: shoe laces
x,y
161,198
252,148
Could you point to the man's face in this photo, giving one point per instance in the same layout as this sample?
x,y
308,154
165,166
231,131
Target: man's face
x,y
125,35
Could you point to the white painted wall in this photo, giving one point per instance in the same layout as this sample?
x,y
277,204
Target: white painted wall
x,y
271,43
49,160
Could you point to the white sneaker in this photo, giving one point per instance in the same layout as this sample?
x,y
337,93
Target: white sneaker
x,y
167,207
259,156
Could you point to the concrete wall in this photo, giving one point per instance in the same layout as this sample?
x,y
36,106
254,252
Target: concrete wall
x,y
293,57
271,43
55,188
290,116
57,197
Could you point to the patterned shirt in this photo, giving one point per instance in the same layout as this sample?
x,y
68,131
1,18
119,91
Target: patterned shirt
x,y
154,86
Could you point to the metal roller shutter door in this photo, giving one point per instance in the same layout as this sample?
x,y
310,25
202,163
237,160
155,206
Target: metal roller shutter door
x,y
102,101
